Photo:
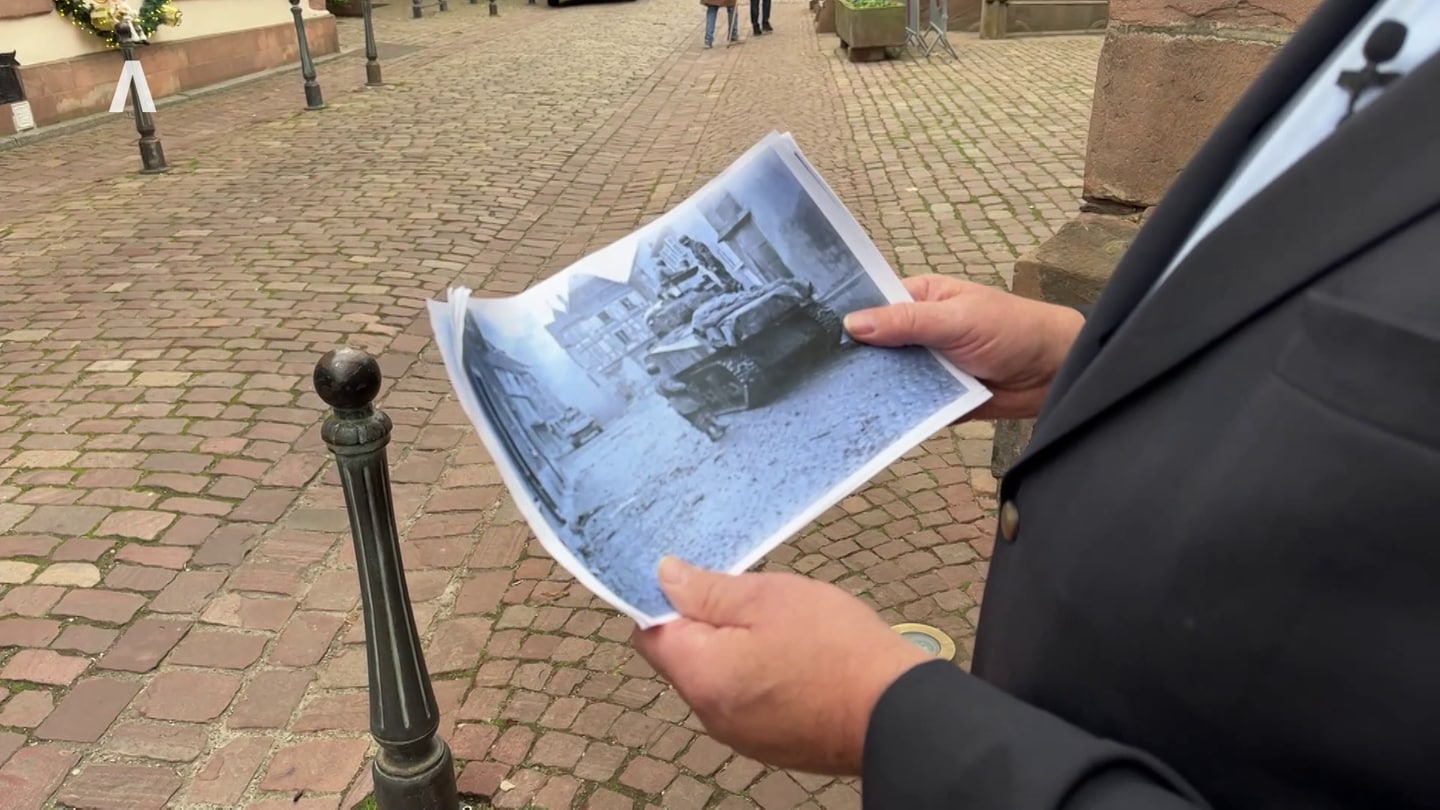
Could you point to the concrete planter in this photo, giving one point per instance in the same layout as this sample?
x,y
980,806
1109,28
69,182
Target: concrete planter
x,y
825,16
344,8
868,31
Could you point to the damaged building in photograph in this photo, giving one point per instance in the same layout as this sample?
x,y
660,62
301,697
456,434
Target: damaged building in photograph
x,y
601,325
529,420
779,233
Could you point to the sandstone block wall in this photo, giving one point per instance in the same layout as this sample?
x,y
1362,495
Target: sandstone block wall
x,y
1168,72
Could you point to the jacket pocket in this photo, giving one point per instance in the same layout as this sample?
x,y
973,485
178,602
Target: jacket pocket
x,y
1375,370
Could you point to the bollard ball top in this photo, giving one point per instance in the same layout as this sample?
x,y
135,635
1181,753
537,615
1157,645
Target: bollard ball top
x,y
347,378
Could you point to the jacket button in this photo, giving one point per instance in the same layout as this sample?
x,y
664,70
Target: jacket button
x,y
1009,521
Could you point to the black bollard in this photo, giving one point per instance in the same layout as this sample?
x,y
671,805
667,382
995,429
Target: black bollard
x,y
313,99
414,769
494,12
415,9
152,152
372,55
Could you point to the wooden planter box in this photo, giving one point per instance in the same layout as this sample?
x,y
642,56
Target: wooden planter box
x,y
868,32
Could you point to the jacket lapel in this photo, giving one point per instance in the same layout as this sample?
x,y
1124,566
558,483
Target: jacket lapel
x,y
1276,243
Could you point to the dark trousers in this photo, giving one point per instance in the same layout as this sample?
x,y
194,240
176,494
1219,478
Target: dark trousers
x,y
756,16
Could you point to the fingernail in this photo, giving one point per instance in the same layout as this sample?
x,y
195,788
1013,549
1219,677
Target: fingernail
x,y
672,570
859,324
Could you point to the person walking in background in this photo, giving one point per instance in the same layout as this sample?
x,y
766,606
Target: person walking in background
x,y
712,10
760,17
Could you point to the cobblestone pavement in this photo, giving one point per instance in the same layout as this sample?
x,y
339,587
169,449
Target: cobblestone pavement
x,y
177,594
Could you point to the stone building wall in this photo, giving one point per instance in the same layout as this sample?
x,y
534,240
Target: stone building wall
x,y
67,73
1168,72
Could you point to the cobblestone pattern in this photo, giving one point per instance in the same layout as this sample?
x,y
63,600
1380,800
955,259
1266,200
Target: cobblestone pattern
x,y
177,593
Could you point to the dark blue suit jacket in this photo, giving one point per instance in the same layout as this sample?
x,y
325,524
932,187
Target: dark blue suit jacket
x,y
1223,586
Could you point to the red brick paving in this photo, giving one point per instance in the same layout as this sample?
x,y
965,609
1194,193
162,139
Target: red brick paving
x,y
178,609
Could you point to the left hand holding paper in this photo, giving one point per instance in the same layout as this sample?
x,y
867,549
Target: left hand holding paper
x,y
782,668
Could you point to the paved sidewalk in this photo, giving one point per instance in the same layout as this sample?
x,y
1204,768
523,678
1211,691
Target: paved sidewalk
x,y
177,593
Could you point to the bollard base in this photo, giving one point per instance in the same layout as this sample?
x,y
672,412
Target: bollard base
x,y
372,74
431,789
152,158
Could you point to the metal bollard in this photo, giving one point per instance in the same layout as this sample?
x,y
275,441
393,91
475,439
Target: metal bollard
x,y
313,99
152,152
372,55
494,12
415,9
414,769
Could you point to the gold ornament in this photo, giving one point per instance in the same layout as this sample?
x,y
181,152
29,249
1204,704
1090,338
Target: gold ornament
x,y
169,14
101,19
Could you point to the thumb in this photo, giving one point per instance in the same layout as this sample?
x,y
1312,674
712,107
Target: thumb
x,y
705,596
907,323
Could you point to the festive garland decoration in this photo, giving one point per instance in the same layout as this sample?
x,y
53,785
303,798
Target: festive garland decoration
x,y
100,18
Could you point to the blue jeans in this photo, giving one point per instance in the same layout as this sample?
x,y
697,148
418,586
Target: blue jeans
x,y
711,12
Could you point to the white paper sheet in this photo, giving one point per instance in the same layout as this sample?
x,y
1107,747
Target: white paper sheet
x,y
607,471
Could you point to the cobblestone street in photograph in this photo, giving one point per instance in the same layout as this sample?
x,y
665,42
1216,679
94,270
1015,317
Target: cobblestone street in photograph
x,y
710,498
180,622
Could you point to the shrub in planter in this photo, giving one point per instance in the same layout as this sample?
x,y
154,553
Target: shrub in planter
x,y
870,23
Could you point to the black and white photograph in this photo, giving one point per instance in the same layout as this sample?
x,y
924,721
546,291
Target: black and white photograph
x,y
690,390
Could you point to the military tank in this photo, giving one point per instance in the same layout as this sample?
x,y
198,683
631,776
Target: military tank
x,y
683,293
669,314
743,347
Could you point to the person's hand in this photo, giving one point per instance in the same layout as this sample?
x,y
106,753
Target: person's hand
x,y
1013,345
784,669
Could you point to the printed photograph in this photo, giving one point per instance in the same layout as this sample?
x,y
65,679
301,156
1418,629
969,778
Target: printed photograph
x,y
691,390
